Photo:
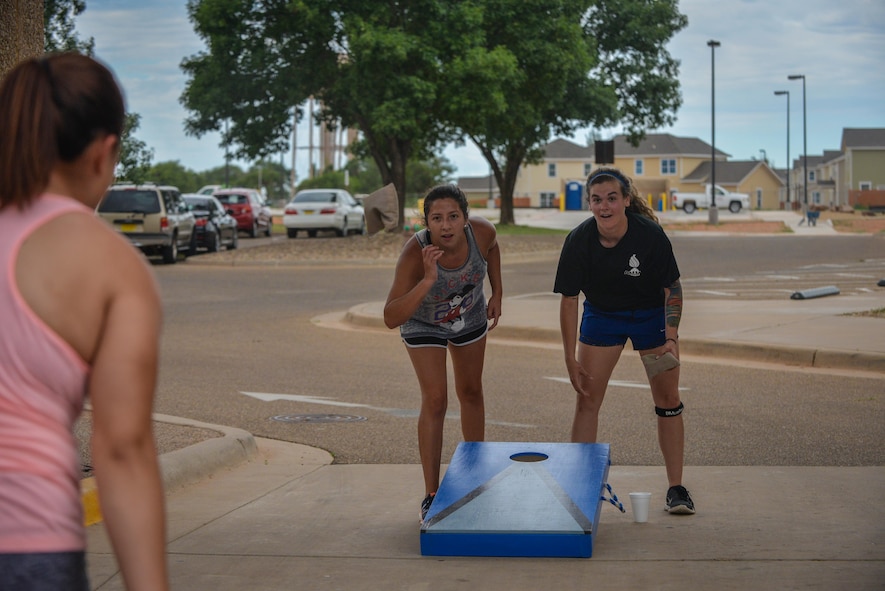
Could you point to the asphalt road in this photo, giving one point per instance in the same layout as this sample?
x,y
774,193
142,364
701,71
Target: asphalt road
x,y
244,346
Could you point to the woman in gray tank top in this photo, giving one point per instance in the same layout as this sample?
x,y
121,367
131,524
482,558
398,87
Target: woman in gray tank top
x,y
438,302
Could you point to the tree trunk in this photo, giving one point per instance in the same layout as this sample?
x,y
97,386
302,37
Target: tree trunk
x,y
21,32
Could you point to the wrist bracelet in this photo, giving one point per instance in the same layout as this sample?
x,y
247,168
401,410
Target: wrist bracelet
x,y
670,339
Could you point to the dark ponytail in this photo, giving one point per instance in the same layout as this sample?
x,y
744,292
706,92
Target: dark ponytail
x,y
51,109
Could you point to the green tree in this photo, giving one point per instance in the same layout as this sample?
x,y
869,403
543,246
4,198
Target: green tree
x,y
372,65
135,156
58,27
567,64
173,173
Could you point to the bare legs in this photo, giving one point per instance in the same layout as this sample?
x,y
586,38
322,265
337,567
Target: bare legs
x,y
599,363
430,368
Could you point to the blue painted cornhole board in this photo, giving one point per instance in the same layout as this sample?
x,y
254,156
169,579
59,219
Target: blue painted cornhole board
x,y
492,504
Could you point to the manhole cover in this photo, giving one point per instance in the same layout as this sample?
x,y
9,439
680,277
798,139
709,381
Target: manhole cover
x,y
324,418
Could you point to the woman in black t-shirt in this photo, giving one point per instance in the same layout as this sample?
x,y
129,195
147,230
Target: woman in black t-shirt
x,y
623,263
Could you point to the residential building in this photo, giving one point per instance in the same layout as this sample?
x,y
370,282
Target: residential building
x,y
753,177
662,163
543,184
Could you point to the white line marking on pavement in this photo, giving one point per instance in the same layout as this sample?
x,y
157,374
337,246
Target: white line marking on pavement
x,y
397,412
621,383
712,292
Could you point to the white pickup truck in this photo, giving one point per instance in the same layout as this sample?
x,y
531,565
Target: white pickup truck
x,y
690,202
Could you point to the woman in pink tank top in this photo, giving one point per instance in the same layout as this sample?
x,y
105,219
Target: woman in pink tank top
x,y
80,316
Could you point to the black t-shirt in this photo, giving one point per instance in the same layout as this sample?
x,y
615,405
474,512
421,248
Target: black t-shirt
x,y
631,275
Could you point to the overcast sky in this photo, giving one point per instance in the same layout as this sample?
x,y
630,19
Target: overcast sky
x,y
838,46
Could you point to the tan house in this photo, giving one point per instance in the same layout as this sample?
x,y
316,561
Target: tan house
x,y
753,177
854,175
657,166
544,184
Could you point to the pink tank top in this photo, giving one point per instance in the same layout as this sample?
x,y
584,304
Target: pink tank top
x,y
42,387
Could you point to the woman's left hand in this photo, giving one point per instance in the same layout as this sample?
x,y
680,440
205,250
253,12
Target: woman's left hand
x,y
493,311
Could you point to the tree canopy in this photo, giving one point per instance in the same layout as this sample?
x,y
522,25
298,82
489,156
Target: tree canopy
x,y
58,27
415,75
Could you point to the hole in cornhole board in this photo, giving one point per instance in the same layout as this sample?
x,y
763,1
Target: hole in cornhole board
x,y
529,456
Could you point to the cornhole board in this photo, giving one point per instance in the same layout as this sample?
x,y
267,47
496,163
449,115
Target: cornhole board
x,y
518,499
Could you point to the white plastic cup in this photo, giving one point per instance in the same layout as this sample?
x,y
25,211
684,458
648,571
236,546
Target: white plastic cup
x,y
640,502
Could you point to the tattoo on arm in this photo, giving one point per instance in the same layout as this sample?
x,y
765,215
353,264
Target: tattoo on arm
x,y
674,304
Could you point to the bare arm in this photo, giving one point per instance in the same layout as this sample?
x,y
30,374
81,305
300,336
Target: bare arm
x,y
487,236
568,326
121,388
415,274
673,314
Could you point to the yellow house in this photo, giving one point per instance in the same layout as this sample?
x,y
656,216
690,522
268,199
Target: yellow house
x,y
753,177
660,164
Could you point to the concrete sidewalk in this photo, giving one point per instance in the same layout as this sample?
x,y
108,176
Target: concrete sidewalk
x,y
288,519
809,333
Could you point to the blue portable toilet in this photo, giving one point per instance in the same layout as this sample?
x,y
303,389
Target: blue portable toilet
x,y
573,190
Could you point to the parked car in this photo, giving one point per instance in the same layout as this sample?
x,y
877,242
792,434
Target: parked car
x,y
324,209
208,189
154,218
248,208
215,226
690,202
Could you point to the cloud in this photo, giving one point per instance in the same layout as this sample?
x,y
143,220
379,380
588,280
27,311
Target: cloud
x,y
838,46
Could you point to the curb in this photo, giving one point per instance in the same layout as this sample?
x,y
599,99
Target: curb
x,y
185,466
362,316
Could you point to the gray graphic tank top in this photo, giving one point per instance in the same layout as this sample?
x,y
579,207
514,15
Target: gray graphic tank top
x,y
456,303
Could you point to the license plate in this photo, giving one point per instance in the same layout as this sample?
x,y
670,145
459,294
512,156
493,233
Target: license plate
x,y
129,227
308,212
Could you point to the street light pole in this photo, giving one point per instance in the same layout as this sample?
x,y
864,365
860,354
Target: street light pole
x,y
789,164
714,210
804,138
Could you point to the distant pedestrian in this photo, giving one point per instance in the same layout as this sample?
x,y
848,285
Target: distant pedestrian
x,y
79,316
623,263
437,300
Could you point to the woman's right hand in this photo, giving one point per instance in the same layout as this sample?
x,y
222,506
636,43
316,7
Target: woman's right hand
x,y
430,255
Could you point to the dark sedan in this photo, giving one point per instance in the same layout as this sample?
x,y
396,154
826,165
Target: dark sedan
x,y
215,226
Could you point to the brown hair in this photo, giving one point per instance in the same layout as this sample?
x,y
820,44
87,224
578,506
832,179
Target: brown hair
x,y
637,205
447,191
51,109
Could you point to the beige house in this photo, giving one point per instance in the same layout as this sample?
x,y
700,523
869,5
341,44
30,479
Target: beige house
x,y
544,184
753,177
663,163
660,164
853,175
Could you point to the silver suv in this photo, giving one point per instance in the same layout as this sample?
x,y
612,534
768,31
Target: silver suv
x,y
154,218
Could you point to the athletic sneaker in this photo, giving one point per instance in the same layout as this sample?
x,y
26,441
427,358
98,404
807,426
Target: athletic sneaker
x,y
679,501
425,505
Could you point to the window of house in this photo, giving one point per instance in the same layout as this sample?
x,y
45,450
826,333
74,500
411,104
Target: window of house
x,y
758,198
588,168
551,170
547,199
815,197
668,166
637,167
865,185
810,176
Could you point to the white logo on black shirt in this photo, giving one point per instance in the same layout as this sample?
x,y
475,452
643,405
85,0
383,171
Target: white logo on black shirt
x,y
633,271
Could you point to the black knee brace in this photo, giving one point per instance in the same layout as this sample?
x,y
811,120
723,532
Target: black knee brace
x,y
670,412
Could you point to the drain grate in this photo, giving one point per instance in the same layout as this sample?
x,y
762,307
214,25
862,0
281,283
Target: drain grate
x,y
319,418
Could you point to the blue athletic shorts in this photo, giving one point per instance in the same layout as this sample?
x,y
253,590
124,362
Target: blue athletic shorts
x,y
458,340
46,571
645,328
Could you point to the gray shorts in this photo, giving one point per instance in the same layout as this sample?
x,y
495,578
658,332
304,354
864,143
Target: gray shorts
x,y
459,340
